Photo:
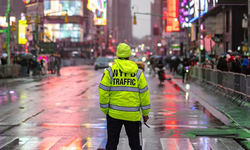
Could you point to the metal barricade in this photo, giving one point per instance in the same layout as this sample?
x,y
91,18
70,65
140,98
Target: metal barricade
x,y
199,73
219,77
224,79
196,72
243,84
1,71
230,81
203,75
248,85
17,70
8,69
208,75
214,76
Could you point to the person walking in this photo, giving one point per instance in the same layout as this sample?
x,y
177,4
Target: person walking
x,y
123,92
43,66
58,65
244,66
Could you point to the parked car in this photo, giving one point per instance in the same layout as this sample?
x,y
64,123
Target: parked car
x,y
103,62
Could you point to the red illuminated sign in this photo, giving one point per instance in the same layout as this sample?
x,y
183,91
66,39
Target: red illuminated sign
x,y
173,23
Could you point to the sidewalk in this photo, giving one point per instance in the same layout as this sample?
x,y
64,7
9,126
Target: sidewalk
x,y
222,108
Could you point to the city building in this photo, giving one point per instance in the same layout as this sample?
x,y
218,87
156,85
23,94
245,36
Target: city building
x,y
119,25
218,20
17,8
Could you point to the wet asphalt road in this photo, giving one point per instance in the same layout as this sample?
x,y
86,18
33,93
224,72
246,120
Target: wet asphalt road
x,y
62,113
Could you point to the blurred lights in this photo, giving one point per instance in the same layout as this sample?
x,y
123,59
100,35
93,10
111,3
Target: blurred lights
x,y
170,52
187,86
143,58
159,44
136,50
92,50
12,92
110,64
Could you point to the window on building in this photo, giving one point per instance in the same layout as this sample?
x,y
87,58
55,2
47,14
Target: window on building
x,y
227,21
227,46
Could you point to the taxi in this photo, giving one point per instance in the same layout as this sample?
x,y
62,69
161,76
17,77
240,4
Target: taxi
x,y
140,63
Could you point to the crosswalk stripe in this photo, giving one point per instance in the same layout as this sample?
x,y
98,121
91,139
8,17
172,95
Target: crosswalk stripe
x,y
231,144
76,144
169,144
30,144
69,143
48,142
124,144
93,143
216,144
184,143
8,142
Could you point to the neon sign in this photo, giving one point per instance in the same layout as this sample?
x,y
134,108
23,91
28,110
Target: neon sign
x,y
194,9
99,8
173,24
183,13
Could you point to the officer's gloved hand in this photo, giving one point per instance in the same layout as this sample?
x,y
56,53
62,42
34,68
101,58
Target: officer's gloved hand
x,y
145,118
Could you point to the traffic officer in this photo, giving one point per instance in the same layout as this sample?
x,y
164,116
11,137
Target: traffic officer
x,y
123,92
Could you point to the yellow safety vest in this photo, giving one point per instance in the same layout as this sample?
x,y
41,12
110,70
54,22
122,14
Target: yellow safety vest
x,y
123,91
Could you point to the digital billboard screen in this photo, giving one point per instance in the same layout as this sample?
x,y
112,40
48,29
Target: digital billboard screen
x,y
194,9
99,8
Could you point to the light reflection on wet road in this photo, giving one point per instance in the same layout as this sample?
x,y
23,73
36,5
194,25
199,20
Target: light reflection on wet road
x,y
63,113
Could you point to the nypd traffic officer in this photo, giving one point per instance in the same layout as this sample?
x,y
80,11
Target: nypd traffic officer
x,y
123,92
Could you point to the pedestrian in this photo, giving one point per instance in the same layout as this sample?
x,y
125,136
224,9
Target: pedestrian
x,y
52,64
4,60
24,70
222,64
185,64
32,66
43,66
231,64
244,66
123,91
58,65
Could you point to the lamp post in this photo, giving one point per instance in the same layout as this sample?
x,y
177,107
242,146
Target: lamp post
x,y
8,31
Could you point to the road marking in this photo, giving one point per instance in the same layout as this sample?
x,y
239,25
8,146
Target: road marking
x,y
48,142
231,144
93,143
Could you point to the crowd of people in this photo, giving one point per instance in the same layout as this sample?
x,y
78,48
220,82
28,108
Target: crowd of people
x,y
237,64
31,66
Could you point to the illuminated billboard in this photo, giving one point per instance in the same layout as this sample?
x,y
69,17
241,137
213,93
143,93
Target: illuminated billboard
x,y
173,24
183,13
194,9
3,22
99,8
59,7
22,24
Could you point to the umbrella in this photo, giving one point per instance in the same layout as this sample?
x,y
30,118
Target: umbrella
x,y
224,54
27,56
235,53
4,55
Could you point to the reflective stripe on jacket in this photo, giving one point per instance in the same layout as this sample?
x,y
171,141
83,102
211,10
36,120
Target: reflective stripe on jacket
x,y
122,95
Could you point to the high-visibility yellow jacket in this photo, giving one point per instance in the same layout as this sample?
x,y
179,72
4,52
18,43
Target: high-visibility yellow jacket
x,y
123,91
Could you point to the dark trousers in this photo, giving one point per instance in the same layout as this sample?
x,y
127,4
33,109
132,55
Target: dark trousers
x,y
114,127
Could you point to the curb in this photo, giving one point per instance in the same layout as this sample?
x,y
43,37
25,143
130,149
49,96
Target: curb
x,y
212,109
215,111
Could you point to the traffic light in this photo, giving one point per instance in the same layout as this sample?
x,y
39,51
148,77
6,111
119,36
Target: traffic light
x,y
37,20
66,19
13,27
4,46
28,19
135,22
